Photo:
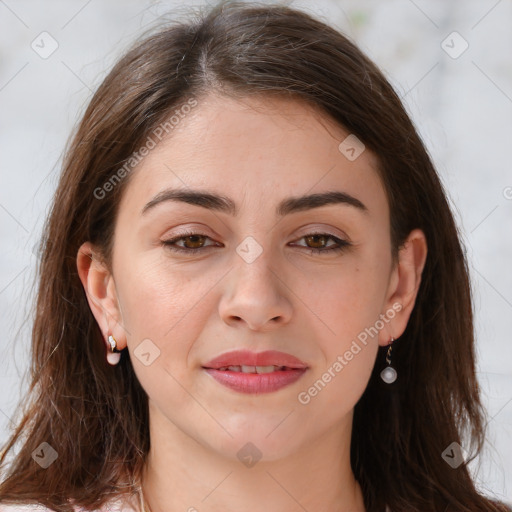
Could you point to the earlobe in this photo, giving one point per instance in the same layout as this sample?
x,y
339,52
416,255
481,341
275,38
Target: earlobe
x,y
97,282
411,262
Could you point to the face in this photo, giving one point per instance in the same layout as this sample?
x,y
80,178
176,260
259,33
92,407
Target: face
x,y
256,270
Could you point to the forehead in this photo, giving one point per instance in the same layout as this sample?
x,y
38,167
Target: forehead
x,y
261,149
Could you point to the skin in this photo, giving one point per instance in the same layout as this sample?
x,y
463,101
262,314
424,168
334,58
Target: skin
x,y
194,307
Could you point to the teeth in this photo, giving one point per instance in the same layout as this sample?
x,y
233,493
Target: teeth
x,y
252,369
266,369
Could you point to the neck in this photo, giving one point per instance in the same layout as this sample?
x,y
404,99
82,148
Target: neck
x,y
182,474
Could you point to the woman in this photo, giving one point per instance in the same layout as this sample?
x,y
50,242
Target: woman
x,y
252,291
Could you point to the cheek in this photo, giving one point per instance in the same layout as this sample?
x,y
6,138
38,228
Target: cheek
x,y
347,298
155,298
338,381
349,305
334,391
162,312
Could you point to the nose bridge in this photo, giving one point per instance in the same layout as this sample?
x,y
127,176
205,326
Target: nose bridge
x,y
254,293
255,269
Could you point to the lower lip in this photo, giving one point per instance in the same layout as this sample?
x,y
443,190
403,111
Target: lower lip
x,y
256,382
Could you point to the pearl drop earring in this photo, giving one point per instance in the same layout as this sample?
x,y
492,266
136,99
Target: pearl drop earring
x,y
114,355
389,375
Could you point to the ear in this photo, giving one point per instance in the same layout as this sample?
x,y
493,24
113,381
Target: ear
x,y
101,294
404,284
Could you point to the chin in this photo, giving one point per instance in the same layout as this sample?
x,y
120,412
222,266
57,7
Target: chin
x,y
263,442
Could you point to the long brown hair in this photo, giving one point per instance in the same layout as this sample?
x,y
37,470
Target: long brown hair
x,y
100,430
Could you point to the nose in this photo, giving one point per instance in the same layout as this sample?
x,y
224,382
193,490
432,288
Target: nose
x,y
256,295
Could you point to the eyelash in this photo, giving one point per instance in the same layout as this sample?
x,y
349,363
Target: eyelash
x,y
342,244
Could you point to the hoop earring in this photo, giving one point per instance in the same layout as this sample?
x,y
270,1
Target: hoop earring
x,y
114,355
389,375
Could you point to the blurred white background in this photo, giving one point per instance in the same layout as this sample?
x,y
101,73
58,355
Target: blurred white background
x,y
457,87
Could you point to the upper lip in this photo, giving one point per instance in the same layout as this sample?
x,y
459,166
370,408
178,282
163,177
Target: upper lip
x,y
248,358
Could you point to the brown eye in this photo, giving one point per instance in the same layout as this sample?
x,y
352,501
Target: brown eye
x,y
188,242
196,241
318,241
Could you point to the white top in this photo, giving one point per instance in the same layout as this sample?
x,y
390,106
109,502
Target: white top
x,y
114,505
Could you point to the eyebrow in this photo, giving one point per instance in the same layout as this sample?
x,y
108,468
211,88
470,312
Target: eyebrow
x,y
225,204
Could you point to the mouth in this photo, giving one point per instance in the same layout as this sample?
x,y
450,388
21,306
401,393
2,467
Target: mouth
x,y
249,372
254,369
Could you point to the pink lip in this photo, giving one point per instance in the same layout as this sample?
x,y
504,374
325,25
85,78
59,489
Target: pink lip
x,y
254,382
248,358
